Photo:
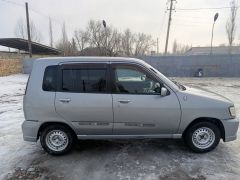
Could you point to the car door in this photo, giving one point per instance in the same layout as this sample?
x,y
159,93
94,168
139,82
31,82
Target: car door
x,y
139,108
83,97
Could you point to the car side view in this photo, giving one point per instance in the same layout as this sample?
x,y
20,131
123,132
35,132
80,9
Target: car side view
x,y
74,98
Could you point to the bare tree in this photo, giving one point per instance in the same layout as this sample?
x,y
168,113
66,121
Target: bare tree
x,y
64,34
50,33
231,23
73,48
113,42
64,45
108,41
65,42
179,48
143,43
21,31
128,40
175,47
136,44
82,38
97,33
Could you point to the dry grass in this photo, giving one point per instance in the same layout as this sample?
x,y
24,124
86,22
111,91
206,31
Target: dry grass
x,y
10,66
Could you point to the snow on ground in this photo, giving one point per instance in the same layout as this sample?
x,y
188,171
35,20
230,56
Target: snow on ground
x,y
132,159
12,147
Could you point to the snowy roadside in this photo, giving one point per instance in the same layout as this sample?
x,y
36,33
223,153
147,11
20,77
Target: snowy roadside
x,y
135,159
13,148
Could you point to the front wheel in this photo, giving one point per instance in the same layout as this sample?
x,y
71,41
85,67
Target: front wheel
x,y
56,139
202,137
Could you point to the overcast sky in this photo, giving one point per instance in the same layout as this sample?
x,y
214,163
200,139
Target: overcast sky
x,y
148,16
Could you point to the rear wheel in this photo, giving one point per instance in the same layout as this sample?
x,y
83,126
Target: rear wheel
x,y
202,137
56,139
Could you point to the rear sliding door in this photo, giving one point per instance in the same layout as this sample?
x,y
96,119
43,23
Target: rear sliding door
x,y
83,97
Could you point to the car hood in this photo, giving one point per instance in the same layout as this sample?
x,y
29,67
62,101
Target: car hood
x,y
200,92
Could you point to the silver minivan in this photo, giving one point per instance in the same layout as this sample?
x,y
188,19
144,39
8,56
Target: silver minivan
x,y
117,98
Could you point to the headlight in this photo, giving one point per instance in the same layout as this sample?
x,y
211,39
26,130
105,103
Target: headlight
x,y
232,111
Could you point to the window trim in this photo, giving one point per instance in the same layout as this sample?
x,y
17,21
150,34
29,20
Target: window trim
x,y
76,66
137,67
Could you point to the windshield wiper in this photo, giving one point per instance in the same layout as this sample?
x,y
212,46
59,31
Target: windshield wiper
x,y
179,85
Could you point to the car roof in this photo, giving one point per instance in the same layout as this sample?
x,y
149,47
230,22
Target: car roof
x,y
86,58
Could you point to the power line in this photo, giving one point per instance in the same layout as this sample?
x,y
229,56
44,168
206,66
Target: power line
x,y
163,22
188,25
46,16
193,17
33,10
12,2
192,21
198,9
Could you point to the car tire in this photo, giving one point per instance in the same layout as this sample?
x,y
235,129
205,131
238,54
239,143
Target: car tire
x,y
57,139
202,137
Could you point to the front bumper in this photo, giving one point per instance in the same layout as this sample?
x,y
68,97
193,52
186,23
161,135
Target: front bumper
x,y
30,130
231,128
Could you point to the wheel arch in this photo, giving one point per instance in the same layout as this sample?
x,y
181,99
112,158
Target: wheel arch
x,y
46,124
207,119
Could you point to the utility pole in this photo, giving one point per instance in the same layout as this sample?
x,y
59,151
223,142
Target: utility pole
x,y
169,24
157,47
28,31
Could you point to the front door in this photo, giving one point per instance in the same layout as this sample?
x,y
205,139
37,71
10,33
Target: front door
x,y
83,98
139,108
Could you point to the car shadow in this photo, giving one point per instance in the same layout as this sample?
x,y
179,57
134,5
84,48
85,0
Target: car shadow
x,y
164,145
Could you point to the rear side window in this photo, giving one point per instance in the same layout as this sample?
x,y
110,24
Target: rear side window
x,y
50,79
84,80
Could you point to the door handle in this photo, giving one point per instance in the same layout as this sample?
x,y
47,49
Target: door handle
x,y
67,100
124,101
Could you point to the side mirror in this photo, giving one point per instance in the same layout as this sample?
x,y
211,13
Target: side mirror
x,y
164,91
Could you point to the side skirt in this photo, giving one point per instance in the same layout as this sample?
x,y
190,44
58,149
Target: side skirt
x,y
145,136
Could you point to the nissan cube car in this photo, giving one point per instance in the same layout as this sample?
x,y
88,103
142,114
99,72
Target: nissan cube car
x,y
117,98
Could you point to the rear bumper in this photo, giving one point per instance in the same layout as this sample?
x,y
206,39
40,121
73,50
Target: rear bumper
x,y
231,128
30,130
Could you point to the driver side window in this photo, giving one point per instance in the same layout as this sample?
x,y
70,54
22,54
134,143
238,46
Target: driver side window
x,y
130,80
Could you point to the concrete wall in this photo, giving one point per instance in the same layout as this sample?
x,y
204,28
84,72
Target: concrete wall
x,y
185,66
